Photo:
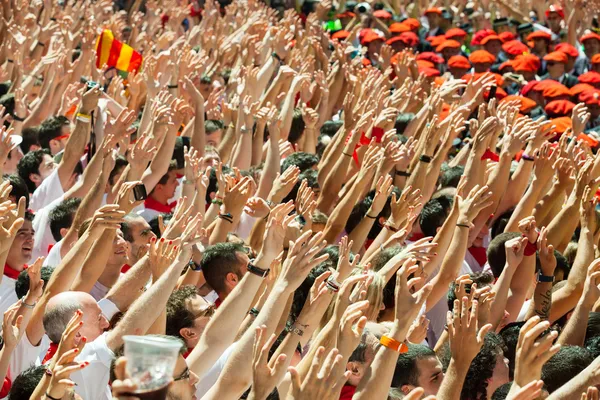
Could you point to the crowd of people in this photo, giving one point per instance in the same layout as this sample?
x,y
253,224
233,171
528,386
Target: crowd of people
x,y
323,200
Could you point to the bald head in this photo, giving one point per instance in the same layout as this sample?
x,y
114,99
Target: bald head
x,y
60,309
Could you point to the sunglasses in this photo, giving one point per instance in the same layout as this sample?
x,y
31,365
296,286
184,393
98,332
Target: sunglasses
x,y
184,375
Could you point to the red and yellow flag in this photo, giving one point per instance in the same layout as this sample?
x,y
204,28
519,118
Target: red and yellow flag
x,y
116,54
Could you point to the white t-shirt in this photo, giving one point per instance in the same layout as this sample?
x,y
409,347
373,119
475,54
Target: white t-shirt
x,y
148,214
210,378
50,190
54,258
41,225
8,297
27,355
245,226
99,291
92,381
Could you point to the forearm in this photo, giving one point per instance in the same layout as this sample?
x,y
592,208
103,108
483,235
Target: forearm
x,y
335,180
543,209
160,163
542,301
5,355
563,225
131,285
454,379
74,150
338,218
226,145
525,206
331,155
94,264
257,144
270,170
242,158
198,141
360,232
443,238
574,332
501,288
518,183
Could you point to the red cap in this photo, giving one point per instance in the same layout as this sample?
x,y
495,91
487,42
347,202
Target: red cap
x,y
489,38
382,14
431,57
435,41
459,62
515,48
433,10
481,57
365,62
566,48
589,36
559,108
557,90
479,35
596,59
590,97
580,88
556,56
398,27
539,35
412,23
448,44
507,64
556,9
506,36
410,38
393,40
346,14
527,63
371,37
561,124
455,33
340,35
531,85
526,104
425,64
429,72
591,77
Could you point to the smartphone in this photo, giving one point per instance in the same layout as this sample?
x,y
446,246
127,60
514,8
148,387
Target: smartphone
x,y
139,192
492,92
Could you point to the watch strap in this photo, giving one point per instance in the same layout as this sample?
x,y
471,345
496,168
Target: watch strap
x,y
253,269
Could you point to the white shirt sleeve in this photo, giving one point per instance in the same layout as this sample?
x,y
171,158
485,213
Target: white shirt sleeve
x,y
43,238
92,381
210,378
50,190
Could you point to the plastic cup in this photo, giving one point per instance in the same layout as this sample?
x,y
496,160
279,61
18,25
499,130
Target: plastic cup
x,y
151,360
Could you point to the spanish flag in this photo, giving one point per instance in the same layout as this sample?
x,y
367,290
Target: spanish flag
x,y
116,54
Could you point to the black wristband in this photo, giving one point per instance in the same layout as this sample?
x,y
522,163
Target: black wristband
x,y
403,173
50,397
16,118
227,217
172,86
425,159
40,44
463,226
368,216
346,154
8,60
253,269
254,312
276,56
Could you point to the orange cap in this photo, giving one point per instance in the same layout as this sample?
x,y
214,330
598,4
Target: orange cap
x,y
431,57
591,77
459,62
526,104
425,64
435,41
559,108
568,49
555,91
448,44
596,59
394,39
371,37
398,27
507,64
433,10
412,23
455,33
590,97
580,88
515,48
481,57
506,36
556,56
410,38
340,35
429,72
539,35
382,14
561,124
589,36
527,63
489,38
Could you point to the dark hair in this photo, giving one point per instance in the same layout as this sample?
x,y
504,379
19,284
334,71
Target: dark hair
x,y
450,176
218,261
593,346
510,336
213,182
402,121
482,368
301,160
480,278
50,129
331,127
213,125
178,314
8,102
407,371
62,216
22,283
30,138
165,178
499,225
564,366
30,164
297,127
496,253
178,151
120,163
311,178
389,295
359,212
154,223
24,385
434,214
502,392
19,188
593,326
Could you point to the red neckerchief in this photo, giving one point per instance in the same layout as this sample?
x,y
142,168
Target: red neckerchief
x,y
11,272
218,302
188,352
416,236
156,206
125,268
480,255
347,392
6,385
50,246
50,353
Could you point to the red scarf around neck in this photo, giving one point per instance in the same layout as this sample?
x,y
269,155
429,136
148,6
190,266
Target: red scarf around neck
x,y
11,272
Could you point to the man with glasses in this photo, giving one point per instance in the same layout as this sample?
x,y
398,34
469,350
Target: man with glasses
x,y
556,66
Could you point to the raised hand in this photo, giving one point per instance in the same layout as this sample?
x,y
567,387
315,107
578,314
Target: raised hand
x,y
325,378
237,197
383,189
125,198
11,326
275,230
527,228
409,301
265,374
351,327
591,289
301,258
65,366
107,217
162,254
546,253
346,261
477,200
284,184
515,249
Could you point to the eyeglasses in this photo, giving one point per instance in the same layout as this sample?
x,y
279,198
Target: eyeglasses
x,y
184,375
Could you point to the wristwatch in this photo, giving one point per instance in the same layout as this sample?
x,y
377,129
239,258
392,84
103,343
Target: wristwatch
x,y
544,278
253,269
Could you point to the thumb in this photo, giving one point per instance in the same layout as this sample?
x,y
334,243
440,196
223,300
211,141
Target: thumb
x,y
295,378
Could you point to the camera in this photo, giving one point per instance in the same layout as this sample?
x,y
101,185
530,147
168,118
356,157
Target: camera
x,y
363,8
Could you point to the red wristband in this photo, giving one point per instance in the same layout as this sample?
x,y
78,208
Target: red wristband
x,y
530,249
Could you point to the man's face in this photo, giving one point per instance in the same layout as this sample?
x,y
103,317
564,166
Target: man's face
x,y
120,250
500,375
47,166
483,233
375,47
450,52
205,89
555,69
94,322
540,45
142,235
430,375
433,19
20,251
214,138
171,186
203,312
184,382
554,22
10,165
591,47
232,279
494,47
